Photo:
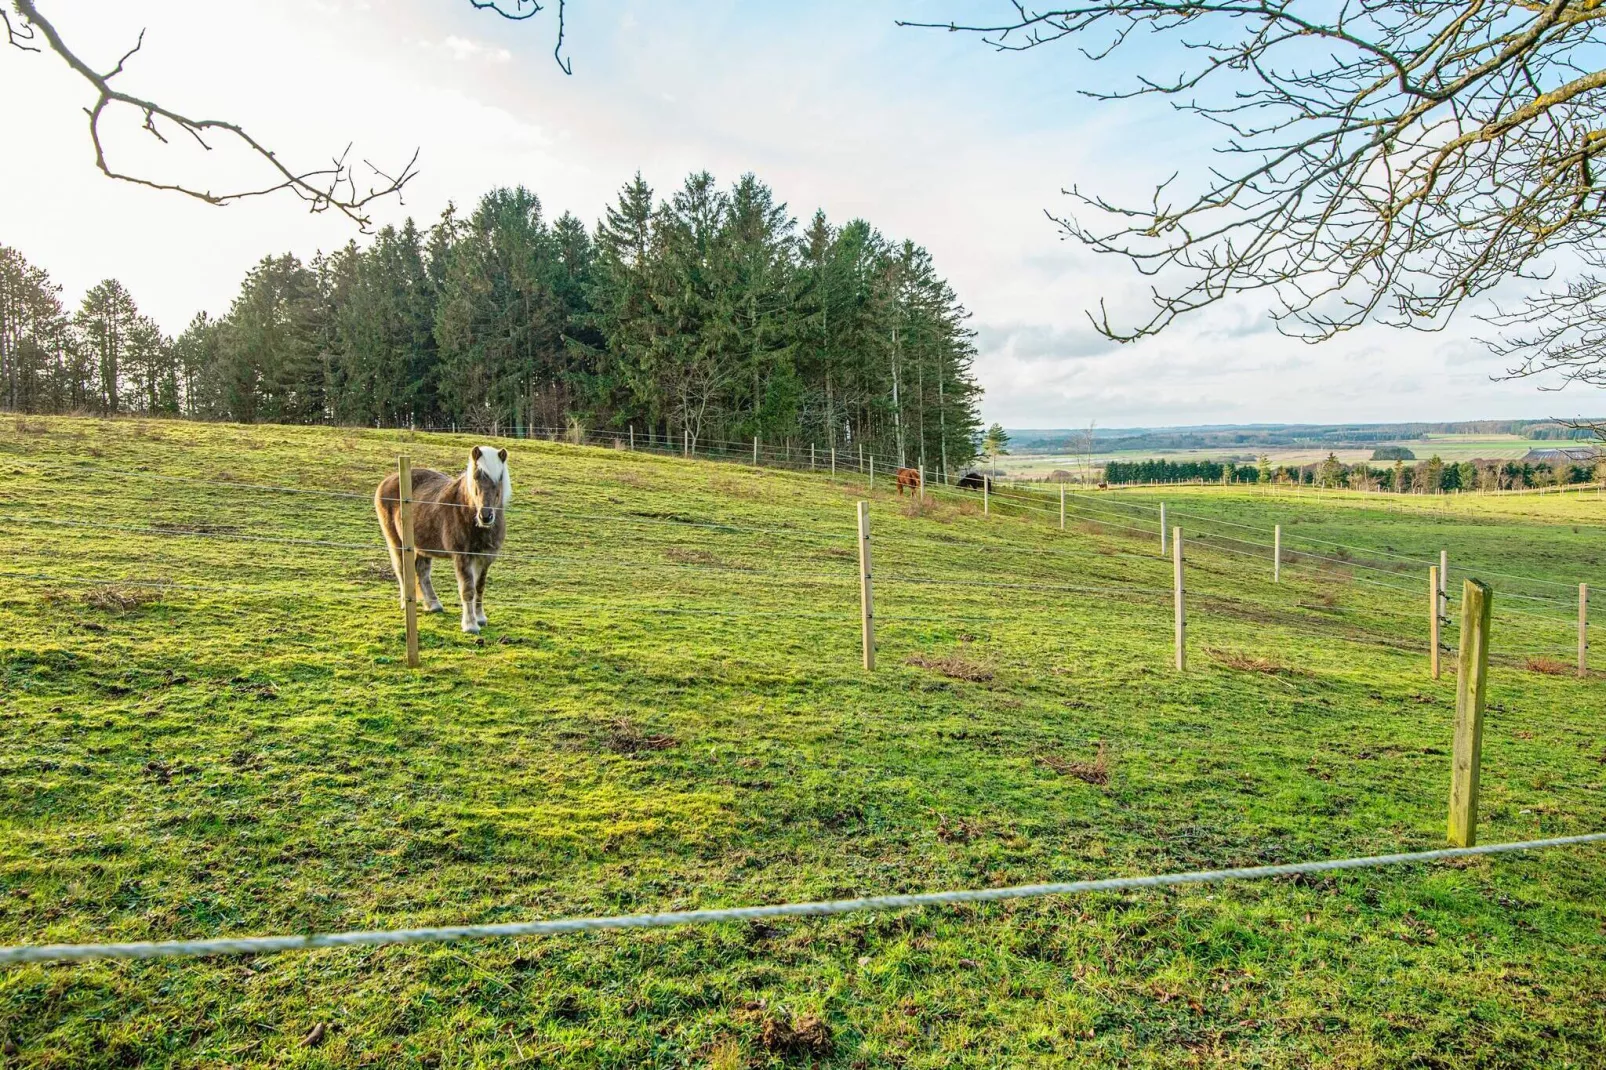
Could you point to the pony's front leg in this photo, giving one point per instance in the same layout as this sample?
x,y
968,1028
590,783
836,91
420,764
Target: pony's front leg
x,y
467,590
479,593
432,603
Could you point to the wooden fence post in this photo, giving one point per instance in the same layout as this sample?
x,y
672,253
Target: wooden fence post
x,y
986,496
1277,554
1583,630
872,471
1181,611
409,566
833,462
1162,529
755,451
1433,620
811,456
1062,506
632,438
1444,587
685,442
866,599
1472,677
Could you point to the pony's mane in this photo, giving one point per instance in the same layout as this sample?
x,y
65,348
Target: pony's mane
x,y
491,463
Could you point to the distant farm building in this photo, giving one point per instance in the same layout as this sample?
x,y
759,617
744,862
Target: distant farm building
x,y
1562,455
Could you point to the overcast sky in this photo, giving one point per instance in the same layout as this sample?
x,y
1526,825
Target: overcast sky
x,y
929,135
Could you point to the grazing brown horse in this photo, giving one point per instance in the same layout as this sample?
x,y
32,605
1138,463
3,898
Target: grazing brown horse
x,y
464,519
908,477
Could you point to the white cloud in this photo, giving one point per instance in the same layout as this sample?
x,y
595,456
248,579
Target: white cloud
x,y
461,48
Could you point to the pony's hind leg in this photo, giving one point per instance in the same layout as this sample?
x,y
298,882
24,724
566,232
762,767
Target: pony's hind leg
x,y
432,604
479,593
467,586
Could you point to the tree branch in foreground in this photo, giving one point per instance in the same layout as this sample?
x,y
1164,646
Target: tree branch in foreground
x,y
1387,163
333,187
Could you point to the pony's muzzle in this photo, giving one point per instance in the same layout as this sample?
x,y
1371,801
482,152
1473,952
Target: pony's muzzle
x,y
485,517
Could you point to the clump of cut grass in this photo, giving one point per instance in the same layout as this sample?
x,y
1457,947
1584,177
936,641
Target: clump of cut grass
x,y
26,426
115,598
375,570
1249,663
178,528
683,556
625,738
953,666
1549,666
1095,772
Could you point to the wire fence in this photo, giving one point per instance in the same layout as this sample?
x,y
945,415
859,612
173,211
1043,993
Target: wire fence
x,y
263,945
1125,521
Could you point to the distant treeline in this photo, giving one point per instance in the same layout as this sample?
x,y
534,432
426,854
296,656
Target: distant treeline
x,y
1430,476
708,315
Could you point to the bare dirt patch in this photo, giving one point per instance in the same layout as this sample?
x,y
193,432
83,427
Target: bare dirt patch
x,y
953,666
807,1035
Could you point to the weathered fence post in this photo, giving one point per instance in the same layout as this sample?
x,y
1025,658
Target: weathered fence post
x,y
1062,506
1472,677
986,496
872,471
1583,630
1162,529
685,442
922,482
833,462
1181,611
755,451
811,456
1277,554
409,566
1444,587
632,438
866,599
1433,620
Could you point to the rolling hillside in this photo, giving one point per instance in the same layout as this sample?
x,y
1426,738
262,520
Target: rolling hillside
x,y
208,729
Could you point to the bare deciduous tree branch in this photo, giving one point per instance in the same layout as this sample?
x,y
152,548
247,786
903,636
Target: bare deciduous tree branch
x,y
331,187
1392,158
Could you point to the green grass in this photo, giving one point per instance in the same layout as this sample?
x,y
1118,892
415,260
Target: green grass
x,y
665,714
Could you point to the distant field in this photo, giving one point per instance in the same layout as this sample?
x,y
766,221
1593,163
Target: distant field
x,y
207,734
1449,447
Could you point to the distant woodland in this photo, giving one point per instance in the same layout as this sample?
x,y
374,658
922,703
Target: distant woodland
x,y
1432,476
708,314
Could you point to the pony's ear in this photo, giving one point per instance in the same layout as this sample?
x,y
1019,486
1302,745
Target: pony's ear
x,y
474,454
502,454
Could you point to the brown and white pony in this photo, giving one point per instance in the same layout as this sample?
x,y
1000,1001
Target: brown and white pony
x,y
464,519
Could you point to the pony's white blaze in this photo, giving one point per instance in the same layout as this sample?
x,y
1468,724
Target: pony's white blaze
x,y
493,462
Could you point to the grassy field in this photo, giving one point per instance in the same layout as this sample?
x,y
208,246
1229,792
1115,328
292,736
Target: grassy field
x,y
208,730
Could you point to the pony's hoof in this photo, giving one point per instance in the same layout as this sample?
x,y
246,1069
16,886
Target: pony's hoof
x,y
434,607
471,629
